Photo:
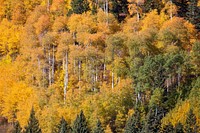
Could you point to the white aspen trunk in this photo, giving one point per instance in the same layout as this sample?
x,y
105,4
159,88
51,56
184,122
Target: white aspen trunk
x,y
66,77
49,66
63,64
79,72
39,68
107,12
167,84
112,79
156,111
139,97
171,12
86,68
48,5
104,71
96,75
138,15
53,65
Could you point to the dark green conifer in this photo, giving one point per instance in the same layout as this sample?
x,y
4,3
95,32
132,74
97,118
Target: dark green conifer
x,y
98,128
64,128
33,124
168,129
80,124
133,124
190,126
153,120
17,128
79,6
193,13
179,128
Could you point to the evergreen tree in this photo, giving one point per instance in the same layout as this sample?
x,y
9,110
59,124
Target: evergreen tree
x,y
80,124
133,124
190,126
179,128
79,6
98,128
193,13
33,124
150,5
63,126
17,128
153,120
119,9
168,129
182,7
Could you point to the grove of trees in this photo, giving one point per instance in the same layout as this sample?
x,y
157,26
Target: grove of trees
x,y
100,66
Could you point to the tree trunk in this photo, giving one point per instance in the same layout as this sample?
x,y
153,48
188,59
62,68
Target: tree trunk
x,y
49,66
48,5
96,74
53,65
86,68
107,12
79,72
104,70
171,14
39,68
112,79
66,77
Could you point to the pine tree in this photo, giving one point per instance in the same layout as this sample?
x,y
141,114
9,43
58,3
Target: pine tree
x,y
80,124
193,13
17,128
133,124
168,129
79,6
119,8
190,122
150,5
33,124
98,128
153,120
179,128
63,126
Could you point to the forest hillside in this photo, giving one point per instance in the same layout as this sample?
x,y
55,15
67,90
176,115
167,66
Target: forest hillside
x,y
113,66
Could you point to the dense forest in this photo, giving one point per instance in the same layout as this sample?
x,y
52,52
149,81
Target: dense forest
x,y
113,66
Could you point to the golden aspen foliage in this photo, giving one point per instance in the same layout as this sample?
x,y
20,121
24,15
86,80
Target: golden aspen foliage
x,y
106,23
170,9
19,13
131,26
177,32
133,6
178,114
9,38
152,20
60,24
42,24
